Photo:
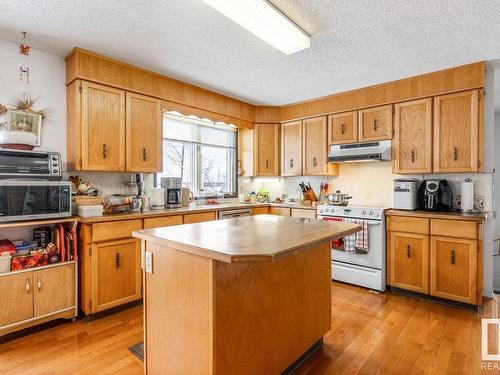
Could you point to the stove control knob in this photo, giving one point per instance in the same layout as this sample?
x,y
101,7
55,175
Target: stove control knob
x,y
370,213
363,212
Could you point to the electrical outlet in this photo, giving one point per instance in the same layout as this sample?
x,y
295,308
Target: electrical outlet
x,y
149,262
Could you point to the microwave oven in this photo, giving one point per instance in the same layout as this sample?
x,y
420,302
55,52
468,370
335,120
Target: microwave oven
x,y
34,200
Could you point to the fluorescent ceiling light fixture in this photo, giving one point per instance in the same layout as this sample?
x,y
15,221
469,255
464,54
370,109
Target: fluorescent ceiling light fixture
x,y
265,21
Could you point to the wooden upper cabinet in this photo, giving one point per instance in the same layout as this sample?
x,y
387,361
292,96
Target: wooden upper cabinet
x,y
266,149
375,123
315,146
343,128
246,151
291,148
456,132
103,128
413,137
54,289
409,261
454,269
143,133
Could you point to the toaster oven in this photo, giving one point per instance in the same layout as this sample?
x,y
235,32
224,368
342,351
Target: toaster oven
x,y
15,164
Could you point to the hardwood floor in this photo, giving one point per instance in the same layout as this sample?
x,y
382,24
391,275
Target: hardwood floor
x,y
371,334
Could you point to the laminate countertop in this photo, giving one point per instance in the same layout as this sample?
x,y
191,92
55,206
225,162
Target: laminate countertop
x,y
450,215
247,239
187,211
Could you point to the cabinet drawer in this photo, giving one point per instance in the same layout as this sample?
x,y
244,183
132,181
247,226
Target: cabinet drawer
x,y
260,210
408,224
198,218
304,213
115,230
454,228
163,221
282,211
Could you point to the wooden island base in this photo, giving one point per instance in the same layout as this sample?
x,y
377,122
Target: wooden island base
x,y
234,318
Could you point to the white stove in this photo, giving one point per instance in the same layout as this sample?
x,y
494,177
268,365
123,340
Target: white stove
x,y
364,268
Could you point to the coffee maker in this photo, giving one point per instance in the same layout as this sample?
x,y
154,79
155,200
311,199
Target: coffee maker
x,y
435,195
172,186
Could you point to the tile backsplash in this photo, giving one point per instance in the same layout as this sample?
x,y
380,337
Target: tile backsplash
x,y
368,183
114,183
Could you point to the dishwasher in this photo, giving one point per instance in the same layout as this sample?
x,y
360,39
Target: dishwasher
x,y
234,213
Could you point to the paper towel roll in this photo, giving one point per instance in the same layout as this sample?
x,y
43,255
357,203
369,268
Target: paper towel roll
x,y
467,196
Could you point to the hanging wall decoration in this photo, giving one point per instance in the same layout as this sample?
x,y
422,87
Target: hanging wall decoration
x,y
24,67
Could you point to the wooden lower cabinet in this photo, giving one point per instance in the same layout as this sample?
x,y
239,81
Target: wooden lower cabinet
x,y
454,269
162,221
200,217
282,211
409,261
260,210
303,213
116,273
51,291
35,296
17,298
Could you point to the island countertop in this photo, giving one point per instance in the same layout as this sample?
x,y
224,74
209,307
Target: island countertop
x,y
247,239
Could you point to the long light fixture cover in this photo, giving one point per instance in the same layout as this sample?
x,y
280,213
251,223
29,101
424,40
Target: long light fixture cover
x,y
265,21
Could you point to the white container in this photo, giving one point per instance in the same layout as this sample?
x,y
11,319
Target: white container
x,y
467,195
157,200
90,211
5,262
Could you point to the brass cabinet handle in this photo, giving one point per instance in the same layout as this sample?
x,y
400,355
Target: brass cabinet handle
x,y
408,250
455,154
105,151
452,257
342,129
267,164
315,161
28,286
117,260
291,163
412,156
375,124
39,284
144,154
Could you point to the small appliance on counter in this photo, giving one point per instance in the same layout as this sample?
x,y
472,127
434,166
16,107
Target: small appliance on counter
x,y
404,196
172,186
157,198
41,165
435,195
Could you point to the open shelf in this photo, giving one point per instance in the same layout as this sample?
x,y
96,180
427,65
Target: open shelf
x,y
32,223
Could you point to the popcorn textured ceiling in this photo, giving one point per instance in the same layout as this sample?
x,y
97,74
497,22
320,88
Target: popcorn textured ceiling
x,y
354,43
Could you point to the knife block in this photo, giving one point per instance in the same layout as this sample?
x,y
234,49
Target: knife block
x,y
310,196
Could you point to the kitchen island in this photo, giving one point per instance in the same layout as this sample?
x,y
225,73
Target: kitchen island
x,y
241,296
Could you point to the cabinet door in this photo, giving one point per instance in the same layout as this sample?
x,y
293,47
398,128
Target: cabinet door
x,y
103,128
200,217
246,152
280,211
144,133
54,289
315,146
266,147
454,269
413,137
375,123
343,128
409,261
291,148
16,292
456,127
116,273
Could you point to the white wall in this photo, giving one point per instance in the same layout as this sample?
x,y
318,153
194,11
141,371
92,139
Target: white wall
x,y
47,76
496,202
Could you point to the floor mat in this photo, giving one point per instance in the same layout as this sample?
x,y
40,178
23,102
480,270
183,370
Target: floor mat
x,y
138,350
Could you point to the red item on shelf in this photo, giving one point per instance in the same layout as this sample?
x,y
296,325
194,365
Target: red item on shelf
x,y
6,246
22,262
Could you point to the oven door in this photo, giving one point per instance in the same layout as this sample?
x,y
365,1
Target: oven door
x,y
375,257
27,200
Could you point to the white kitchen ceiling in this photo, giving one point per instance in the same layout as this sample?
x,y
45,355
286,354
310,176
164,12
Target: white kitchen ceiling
x,y
355,43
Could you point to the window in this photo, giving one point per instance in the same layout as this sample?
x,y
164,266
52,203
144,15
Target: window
x,y
201,152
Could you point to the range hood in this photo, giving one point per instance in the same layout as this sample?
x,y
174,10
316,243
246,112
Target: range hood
x,y
360,152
